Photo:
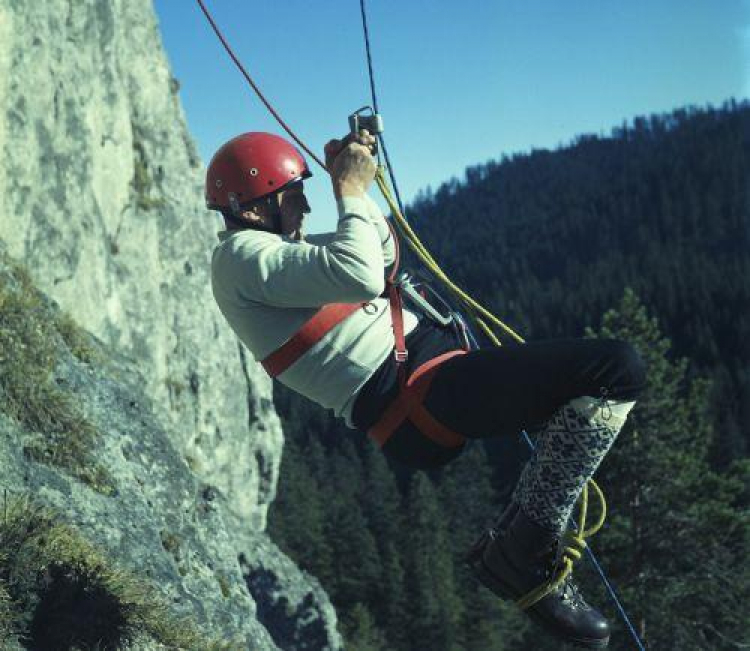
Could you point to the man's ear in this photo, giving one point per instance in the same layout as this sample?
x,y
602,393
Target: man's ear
x,y
253,215
255,211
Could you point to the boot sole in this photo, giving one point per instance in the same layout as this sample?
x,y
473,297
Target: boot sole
x,y
492,583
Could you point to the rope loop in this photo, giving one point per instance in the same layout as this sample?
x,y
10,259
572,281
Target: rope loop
x,y
572,546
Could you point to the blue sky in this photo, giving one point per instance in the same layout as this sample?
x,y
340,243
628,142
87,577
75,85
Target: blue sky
x,y
458,83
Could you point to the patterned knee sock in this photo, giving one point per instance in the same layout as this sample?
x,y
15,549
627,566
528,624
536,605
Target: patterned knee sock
x,y
568,452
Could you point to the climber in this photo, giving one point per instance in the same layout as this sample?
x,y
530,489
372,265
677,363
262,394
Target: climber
x,y
421,405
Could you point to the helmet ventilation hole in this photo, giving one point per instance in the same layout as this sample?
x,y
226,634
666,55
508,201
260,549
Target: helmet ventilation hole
x,y
254,171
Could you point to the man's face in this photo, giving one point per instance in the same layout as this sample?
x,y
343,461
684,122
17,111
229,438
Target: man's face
x,y
293,206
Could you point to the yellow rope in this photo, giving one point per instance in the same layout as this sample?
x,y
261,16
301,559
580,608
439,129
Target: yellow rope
x,y
573,543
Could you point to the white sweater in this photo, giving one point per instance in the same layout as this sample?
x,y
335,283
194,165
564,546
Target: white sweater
x,y
267,286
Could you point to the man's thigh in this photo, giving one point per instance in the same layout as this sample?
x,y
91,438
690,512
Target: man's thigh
x,y
501,390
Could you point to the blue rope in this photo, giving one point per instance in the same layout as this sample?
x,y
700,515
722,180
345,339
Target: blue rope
x,y
612,593
369,57
591,556
381,138
388,165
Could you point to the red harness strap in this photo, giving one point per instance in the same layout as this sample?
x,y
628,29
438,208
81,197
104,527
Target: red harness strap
x,y
397,320
408,404
324,320
412,391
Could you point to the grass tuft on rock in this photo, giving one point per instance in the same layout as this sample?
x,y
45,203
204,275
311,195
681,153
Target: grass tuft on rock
x,y
78,341
57,433
58,591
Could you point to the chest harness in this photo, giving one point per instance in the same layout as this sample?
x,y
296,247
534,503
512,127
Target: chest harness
x,y
412,389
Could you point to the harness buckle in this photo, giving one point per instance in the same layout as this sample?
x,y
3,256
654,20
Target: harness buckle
x,y
401,356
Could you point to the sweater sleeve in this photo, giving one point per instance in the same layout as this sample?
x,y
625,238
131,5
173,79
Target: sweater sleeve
x,y
386,237
284,273
380,223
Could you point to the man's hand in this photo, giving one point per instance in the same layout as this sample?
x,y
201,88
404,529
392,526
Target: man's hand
x,y
334,147
351,164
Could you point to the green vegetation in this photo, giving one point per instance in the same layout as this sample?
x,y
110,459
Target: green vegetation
x,y
79,342
175,387
676,538
550,241
56,432
58,591
223,585
391,558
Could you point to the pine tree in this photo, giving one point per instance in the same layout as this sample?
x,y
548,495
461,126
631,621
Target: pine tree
x,y
436,609
353,547
472,506
675,542
381,502
395,607
380,497
296,519
361,632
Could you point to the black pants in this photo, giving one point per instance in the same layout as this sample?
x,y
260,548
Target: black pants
x,y
497,391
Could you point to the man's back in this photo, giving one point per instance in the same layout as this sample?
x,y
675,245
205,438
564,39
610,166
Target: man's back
x,y
267,286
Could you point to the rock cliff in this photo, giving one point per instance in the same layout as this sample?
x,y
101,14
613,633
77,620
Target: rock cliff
x,y
101,200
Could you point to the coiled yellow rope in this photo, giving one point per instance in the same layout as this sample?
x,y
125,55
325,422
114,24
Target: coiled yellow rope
x,y
573,543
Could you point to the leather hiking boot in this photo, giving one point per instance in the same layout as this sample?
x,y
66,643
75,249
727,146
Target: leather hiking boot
x,y
498,528
522,558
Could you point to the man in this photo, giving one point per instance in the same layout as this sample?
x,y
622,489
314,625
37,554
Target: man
x,y
272,283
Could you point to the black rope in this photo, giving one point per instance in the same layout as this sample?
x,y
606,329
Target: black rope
x,y
388,165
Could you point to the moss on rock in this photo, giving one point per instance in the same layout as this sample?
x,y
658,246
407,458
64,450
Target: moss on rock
x,y
57,432
79,342
58,591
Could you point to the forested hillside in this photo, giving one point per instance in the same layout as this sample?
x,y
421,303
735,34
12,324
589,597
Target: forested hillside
x,y
643,235
549,239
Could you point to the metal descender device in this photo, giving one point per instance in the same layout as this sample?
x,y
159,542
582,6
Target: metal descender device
x,y
410,291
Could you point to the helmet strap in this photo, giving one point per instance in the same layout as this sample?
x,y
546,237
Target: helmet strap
x,y
271,202
276,207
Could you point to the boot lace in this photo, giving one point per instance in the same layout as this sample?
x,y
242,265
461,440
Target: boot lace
x,y
572,594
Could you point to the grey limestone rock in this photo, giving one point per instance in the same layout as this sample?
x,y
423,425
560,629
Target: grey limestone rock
x,y
145,511
101,198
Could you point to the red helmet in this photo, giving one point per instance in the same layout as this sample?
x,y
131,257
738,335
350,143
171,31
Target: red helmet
x,y
249,167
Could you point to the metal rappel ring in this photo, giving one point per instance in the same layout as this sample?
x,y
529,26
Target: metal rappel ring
x,y
370,308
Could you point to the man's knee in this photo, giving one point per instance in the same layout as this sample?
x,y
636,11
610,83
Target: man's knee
x,y
631,370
